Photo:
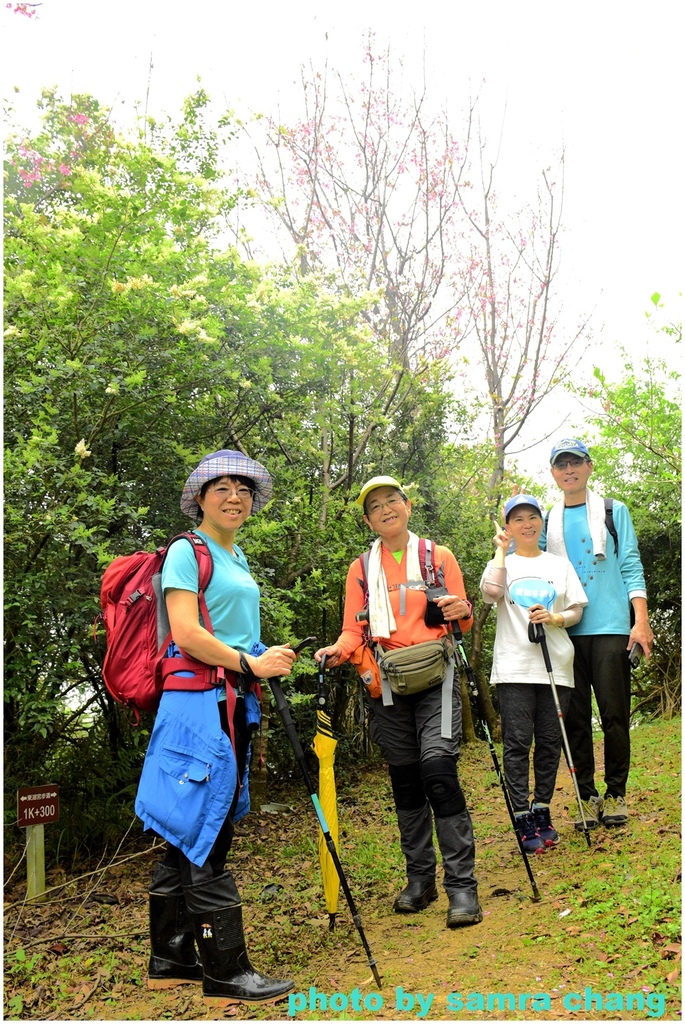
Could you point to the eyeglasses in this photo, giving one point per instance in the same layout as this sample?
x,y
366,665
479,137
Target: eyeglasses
x,y
391,503
572,463
223,492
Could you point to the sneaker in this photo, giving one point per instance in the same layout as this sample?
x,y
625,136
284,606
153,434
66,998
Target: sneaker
x,y
615,811
543,821
592,809
528,833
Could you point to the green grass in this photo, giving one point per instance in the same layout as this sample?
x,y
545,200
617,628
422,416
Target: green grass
x,y
610,916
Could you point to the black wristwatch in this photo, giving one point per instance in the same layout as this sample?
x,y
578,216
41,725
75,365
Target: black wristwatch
x,y
244,666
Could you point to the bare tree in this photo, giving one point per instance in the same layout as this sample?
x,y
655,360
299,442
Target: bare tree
x,y
506,272
367,185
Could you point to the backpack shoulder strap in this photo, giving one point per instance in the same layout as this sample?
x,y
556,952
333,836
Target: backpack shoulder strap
x,y
205,570
203,557
364,581
609,521
426,550
430,576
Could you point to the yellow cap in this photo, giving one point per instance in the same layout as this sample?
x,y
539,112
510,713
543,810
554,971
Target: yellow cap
x,y
373,483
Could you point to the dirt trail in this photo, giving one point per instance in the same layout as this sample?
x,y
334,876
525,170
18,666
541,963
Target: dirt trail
x,y
599,946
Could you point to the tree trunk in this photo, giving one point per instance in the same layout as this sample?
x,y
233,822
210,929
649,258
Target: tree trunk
x,y
259,776
486,706
468,733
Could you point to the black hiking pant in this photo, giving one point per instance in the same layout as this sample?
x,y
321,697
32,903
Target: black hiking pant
x,y
600,665
528,715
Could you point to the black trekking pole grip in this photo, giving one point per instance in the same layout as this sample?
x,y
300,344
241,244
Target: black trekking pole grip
x,y
536,635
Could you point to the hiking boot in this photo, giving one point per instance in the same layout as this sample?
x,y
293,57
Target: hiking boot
x,y
543,822
464,908
614,811
592,809
528,833
415,896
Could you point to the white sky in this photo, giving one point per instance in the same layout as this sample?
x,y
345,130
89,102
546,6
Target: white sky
x,y
601,78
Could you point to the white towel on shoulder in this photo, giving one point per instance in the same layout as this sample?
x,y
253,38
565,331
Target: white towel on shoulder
x,y
381,619
596,516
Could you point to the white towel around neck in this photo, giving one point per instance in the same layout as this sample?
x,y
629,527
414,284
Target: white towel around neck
x,y
596,517
381,619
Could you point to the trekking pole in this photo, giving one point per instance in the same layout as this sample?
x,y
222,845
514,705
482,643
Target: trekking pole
x,y
291,733
457,636
537,635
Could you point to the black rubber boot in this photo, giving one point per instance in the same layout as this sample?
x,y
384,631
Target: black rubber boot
x,y
173,960
229,977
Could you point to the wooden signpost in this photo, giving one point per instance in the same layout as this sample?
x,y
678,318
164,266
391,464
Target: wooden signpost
x,y
37,806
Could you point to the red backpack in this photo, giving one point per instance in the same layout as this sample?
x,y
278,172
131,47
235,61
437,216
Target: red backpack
x,y
137,666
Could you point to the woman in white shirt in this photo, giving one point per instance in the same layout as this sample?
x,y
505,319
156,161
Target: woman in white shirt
x,y
530,585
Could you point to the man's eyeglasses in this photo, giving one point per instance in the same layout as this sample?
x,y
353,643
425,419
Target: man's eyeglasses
x,y
223,492
377,506
572,463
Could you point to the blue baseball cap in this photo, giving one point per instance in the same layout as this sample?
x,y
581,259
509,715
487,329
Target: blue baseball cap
x,y
521,499
569,446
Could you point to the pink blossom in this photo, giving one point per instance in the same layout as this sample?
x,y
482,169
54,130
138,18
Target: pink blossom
x,y
29,10
78,118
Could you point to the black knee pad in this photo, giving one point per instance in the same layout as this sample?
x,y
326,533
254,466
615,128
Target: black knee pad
x,y
442,787
407,786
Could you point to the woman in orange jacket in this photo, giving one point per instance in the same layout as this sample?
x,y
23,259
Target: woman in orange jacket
x,y
418,732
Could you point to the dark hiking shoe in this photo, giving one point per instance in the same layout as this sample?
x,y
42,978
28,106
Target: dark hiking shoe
x,y
464,909
416,896
592,809
614,811
528,833
543,823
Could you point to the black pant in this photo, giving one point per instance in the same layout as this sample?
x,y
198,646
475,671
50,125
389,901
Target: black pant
x,y
528,713
600,664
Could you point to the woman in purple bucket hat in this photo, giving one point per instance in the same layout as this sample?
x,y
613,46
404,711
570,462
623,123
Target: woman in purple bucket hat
x,y
194,783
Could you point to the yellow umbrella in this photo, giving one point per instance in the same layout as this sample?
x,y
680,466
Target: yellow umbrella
x,y
323,745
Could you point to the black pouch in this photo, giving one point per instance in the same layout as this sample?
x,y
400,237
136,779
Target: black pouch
x,y
434,616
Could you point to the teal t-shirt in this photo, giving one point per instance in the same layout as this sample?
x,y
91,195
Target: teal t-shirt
x,y
608,610
232,595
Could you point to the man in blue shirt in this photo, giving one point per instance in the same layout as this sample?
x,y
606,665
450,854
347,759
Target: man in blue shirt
x,y
613,581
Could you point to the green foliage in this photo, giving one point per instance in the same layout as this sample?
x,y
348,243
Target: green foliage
x,y
134,345
109,333
637,457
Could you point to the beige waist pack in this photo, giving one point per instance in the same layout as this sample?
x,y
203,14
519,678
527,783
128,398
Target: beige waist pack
x,y
419,667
